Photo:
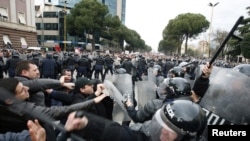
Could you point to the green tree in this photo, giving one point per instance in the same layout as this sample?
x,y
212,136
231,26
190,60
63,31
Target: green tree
x,y
245,45
135,43
88,16
167,46
184,27
218,39
91,17
120,34
245,33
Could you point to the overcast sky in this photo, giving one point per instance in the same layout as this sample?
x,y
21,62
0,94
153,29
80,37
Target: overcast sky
x,y
150,17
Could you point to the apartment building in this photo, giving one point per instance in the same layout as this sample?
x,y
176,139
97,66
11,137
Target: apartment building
x,y
50,21
17,24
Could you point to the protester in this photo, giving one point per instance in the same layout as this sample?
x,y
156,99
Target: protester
x,y
16,136
84,90
27,72
63,95
180,120
37,133
10,121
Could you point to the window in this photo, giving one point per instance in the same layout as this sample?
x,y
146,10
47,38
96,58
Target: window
x,y
47,26
3,14
6,39
54,26
38,26
51,26
50,14
50,37
23,42
21,18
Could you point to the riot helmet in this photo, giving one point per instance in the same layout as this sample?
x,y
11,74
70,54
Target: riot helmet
x,y
243,68
55,56
183,119
34,54
182,64
71,54
185,66
29,56
174,88
120,71
157,67
176,72
15,54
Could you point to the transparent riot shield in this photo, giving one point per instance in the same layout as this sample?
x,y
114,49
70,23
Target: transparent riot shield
x,y
123,82
227,98
144,91
151,75
119,110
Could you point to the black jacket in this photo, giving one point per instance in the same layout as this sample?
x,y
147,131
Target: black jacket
x,y
103,108
106,130
14,120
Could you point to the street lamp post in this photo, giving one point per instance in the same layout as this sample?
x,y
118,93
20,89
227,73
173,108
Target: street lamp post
x,y
65,21
210,31
42,37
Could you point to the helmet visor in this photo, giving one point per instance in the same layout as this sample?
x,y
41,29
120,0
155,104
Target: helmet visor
x,y
161,131
161,89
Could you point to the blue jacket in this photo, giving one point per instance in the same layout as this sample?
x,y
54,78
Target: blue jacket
x,y
11,136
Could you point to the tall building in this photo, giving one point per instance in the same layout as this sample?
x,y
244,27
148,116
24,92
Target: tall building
x,y
50,21
17,24
116,8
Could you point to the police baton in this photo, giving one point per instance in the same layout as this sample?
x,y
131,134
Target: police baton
x,y
226,39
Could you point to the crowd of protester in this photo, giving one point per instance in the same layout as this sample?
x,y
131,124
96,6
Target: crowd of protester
x,y
64,84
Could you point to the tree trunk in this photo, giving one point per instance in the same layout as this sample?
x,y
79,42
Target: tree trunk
x,y
186,44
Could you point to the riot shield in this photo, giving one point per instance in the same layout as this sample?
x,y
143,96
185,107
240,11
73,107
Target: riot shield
x,y
243,68
119,110
123,82
227,98
214,72
144,91
151,76
159,80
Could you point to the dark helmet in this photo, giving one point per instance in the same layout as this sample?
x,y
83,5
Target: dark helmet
x,y
34,54
29,56
243,68
184,117
176,72
174,88
121,71
55,56
65,53
49,56
71,54
157,67
15,54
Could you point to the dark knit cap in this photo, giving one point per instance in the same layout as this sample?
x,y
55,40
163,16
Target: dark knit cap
x,y
82,81
9,84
